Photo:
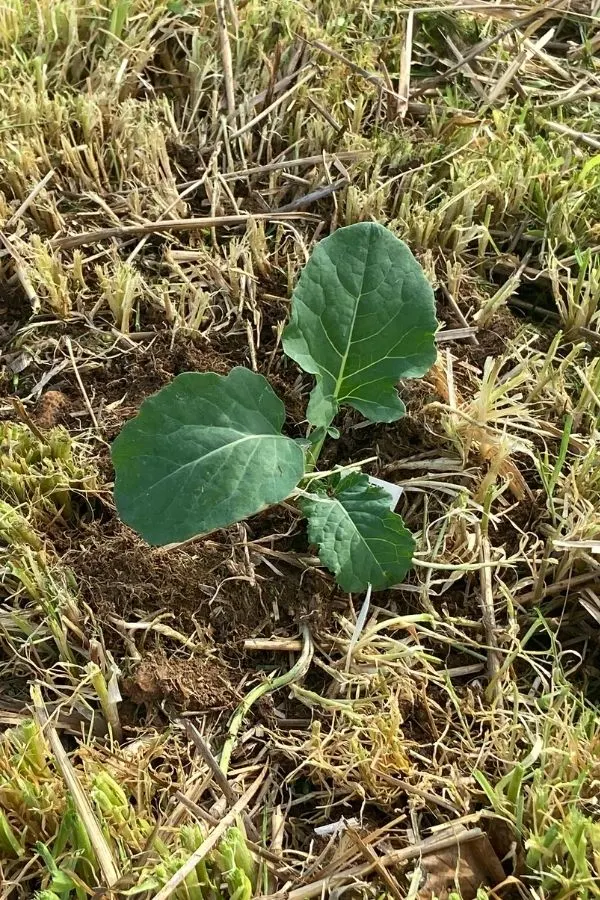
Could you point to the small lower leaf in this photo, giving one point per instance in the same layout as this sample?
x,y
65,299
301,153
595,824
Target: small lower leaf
x,y
359,539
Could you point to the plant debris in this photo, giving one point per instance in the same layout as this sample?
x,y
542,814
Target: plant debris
x,y
166,168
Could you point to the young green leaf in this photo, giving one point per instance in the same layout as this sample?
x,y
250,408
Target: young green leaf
x,y
359,539
10,846
362,317
204,452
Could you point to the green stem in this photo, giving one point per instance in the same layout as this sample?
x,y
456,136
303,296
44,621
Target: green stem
x,y
560,461
266,687
312,455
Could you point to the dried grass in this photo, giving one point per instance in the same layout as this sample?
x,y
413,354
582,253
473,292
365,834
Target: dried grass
x,y
468,700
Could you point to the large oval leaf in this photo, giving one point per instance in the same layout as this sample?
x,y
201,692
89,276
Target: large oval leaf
x,y
359,538
363,316
204,452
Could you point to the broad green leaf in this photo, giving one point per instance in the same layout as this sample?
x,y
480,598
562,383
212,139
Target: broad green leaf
x,y
363,317
359,539
204,452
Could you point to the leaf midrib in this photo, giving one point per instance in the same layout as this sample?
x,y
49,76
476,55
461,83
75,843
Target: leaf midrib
x,y
340,378
228,446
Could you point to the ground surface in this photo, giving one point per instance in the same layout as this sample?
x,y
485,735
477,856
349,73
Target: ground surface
x,y
456,732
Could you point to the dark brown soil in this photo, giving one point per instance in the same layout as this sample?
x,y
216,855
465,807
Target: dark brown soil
x,y
196,605
209,591
197,683
51,410
493,340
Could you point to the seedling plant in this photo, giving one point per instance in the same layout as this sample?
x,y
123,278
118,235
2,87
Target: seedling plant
x,y
208,450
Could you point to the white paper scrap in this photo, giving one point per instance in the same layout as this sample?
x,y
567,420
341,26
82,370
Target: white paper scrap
x,y
394,490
